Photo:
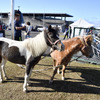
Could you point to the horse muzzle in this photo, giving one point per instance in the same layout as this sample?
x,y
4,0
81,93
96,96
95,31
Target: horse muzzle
x,y
87,51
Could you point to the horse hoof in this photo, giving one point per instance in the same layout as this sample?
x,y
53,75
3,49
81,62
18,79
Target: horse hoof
x,y
53,68
25,90
63,78
28,84
6,78
1,81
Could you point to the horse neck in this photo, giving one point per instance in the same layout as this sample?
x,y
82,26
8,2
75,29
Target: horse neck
x,y
74,45
36,45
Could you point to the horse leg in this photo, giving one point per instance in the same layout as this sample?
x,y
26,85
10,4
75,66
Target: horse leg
x,y
1,78
26,79
30,65
54,72
63,72
29,77
58,70
54,64
3,68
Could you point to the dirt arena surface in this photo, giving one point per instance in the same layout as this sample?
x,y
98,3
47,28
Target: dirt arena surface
x,y
82,83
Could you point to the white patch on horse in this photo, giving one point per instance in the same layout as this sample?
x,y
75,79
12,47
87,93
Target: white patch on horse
x,y
9,41
29,46
25,83
33,46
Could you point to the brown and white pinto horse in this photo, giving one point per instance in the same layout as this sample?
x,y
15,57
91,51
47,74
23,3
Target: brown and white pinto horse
x,y
73,45
27,52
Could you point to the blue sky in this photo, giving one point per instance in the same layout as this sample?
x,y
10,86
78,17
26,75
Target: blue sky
x,y
86,9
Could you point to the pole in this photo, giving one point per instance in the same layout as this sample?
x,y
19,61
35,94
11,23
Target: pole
x,y
43,18
12,18
74,32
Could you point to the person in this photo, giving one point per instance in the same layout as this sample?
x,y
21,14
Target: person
x,y
91,31
68,31
2,31
17,27
28,30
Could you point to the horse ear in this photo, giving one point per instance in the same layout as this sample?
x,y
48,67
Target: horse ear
x,y
49,28
90,38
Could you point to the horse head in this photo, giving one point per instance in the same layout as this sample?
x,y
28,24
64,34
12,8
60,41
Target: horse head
x,y
86,46
52,39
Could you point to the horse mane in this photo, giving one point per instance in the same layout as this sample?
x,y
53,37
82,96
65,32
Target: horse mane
x,y
87,38
74,39
77,41
33,44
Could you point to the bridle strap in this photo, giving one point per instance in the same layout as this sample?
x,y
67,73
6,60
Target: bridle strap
x,y
83,41
57,41
52,42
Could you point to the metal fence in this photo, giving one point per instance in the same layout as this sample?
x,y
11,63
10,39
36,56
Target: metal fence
x,y
95,46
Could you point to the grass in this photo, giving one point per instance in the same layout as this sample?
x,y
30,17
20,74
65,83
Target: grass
x,y
82,83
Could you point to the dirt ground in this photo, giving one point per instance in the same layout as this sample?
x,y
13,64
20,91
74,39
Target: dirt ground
x,y
82,83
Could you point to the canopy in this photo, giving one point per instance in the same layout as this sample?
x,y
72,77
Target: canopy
x,y
81,23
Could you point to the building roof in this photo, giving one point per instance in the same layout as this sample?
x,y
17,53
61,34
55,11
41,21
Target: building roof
x,y
41,14
50,14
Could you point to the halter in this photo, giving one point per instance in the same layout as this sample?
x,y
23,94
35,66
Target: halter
x,y
52,42
83,42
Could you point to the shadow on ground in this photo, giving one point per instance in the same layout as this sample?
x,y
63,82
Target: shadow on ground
x,y
90,85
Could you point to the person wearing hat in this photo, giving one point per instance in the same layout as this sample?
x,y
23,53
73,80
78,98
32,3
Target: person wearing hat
x,y
17,27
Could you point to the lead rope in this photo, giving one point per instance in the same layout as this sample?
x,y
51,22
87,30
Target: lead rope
x,y
21,66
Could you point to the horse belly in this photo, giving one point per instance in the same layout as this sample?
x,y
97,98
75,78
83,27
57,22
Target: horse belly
x,y
17,59
13,54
